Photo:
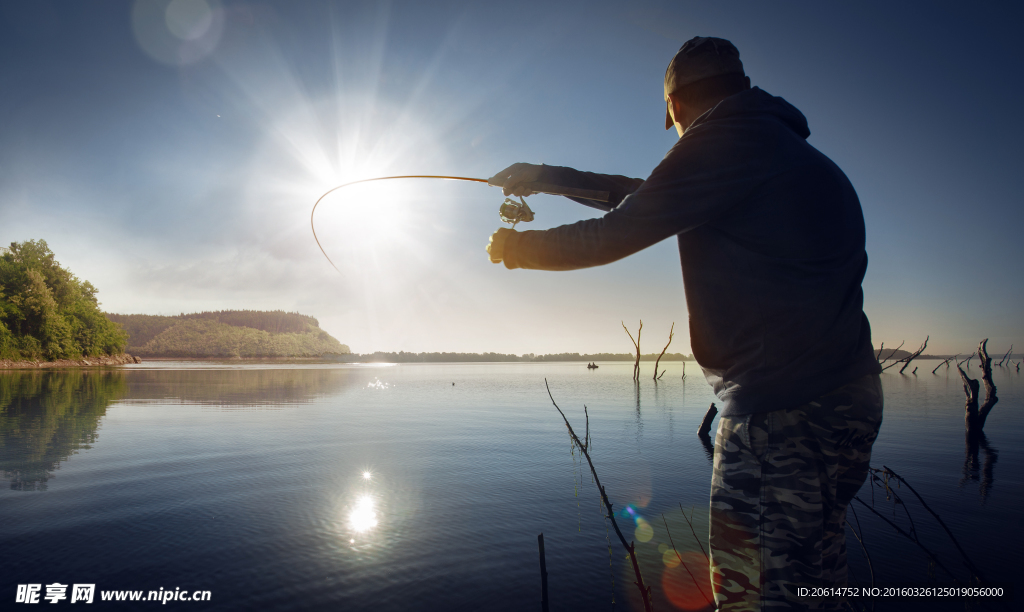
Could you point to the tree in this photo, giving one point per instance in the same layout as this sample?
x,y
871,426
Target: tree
x,y
47,312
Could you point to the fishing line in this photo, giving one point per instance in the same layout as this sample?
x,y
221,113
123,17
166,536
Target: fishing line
x,y
379,178
510,211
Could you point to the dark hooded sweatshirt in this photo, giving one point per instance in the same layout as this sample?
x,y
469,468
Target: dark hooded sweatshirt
x,y
771,240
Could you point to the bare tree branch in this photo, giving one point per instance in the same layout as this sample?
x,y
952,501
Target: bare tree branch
x,y
990,387
636,343
645,591
971,387
946,362
906,360
967,560
671,333
689,521
916,354
912,538
705,425
1005,357
683,563
890,354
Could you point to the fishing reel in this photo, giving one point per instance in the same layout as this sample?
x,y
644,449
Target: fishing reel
x,y
514,212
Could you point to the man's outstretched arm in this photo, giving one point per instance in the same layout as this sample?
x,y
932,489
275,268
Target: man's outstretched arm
x,y
517,178
706,173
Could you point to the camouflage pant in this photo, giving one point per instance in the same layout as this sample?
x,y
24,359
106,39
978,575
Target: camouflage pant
x,y
779,491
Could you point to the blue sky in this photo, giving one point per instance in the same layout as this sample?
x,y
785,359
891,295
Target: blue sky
x,y
170,153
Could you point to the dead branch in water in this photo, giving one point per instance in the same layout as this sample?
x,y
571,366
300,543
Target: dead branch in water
x,y
975,415
683,563
689,521
636,343
645,591
1005,357
971,388
906,360
960,363
671,332
880,360
912,538
990,387
967,561
705,425
946,362
863,545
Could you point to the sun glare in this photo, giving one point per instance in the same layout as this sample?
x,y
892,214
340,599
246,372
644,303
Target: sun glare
x,y
363,517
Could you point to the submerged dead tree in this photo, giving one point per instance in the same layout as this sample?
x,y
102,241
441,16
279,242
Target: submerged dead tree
x,y
975,415
881,347
946,362
704,432
883,480
1005,357
645,591
906,360
636,344
671,333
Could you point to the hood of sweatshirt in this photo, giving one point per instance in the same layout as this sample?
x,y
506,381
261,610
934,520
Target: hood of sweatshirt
x,y
756,101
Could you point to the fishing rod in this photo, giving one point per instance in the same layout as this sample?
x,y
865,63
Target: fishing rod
x,y
510,211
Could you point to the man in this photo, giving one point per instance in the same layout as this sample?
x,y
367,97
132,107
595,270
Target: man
x,y
771,241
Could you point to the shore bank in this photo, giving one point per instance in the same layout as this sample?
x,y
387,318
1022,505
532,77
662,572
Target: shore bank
x,y
106,360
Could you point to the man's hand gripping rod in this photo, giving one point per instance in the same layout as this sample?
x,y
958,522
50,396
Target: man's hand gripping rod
x,y
514,212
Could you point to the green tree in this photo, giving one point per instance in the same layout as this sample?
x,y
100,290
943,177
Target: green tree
x,y
47,312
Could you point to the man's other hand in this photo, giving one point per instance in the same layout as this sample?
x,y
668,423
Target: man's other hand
x,y
514,179
496,245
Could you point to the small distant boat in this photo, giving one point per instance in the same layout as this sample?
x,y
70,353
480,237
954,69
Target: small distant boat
x,y
592,366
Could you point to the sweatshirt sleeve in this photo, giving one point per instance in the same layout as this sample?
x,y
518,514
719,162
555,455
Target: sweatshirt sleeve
x,y
618,187
706,173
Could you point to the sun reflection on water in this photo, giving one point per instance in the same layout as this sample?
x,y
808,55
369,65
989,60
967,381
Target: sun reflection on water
x,y
363,517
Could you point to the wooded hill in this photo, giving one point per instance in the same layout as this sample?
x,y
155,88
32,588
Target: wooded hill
x,y
228,333
48,313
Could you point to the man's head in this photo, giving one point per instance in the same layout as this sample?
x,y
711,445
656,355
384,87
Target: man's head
x,y
704,71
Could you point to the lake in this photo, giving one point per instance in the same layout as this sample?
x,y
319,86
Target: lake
x,y
424,486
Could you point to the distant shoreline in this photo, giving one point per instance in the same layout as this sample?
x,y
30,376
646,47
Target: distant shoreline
x,y
85,362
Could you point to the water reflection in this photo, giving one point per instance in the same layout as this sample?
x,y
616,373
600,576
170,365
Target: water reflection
x,y
239,387
639,420
363,517
45,417
360,514
980,471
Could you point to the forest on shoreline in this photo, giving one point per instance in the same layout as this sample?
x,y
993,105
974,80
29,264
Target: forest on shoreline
x,y
46,312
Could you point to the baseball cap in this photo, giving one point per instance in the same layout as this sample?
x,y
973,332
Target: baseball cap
x,y
700,58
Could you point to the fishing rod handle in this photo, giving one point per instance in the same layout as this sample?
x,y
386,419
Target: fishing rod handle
x,y
572,192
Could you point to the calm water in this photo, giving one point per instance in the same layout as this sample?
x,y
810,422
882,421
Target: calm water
x,y
248,481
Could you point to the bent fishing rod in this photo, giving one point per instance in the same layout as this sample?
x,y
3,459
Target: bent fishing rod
x,y
510,211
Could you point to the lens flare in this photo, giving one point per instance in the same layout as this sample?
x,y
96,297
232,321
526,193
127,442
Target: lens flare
x,y
367,475
363,517
178,32
644,531
188,19
689,587
669,558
